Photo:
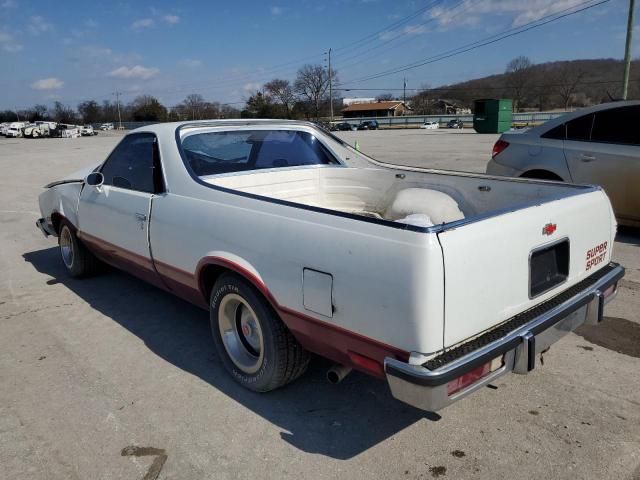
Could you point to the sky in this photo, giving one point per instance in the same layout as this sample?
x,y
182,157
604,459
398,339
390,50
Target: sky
x,y
73,51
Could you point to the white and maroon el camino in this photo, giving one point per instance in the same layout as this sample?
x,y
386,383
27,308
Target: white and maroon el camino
x,y
295,243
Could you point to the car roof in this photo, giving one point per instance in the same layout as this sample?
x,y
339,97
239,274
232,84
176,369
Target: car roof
x,y
170,127
554,122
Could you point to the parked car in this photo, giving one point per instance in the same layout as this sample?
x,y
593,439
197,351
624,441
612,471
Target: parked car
x,y
65,130
39,129
368,125
106,126
430,125
440,282
3,128
87,131
597,145
15,129
455,124
344,127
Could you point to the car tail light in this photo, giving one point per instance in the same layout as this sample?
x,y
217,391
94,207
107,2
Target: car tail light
x,y
610,290
474,375
499,146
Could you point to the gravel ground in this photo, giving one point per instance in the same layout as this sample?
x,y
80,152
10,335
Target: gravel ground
x,y
92,370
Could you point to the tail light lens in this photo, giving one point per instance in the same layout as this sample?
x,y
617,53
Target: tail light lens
x,y
498,148
474,375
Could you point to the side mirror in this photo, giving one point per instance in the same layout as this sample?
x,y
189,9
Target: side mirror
x,y
95,179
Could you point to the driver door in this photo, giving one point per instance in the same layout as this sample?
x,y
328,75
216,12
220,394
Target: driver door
x,y
114,217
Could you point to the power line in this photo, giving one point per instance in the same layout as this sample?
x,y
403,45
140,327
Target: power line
x,y
471,89
373,36
402,34
483,42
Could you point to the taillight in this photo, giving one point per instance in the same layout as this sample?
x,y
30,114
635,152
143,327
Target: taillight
x,y
473,376
499,146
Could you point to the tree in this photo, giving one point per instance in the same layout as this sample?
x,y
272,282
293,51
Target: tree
x,y
64,114
518,77
193,106
90,111
109,112
567,78
39,112
146,108
259,105
312,83
384,97
282,92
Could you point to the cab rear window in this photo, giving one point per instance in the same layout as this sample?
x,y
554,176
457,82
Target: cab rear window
x,y
211,153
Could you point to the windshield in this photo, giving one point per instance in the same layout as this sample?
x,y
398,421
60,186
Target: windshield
x,y
212,153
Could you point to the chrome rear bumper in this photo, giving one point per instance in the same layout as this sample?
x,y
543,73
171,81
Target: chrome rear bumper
x,y
427,389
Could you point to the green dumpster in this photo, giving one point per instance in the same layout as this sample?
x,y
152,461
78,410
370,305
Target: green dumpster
x,y
492,115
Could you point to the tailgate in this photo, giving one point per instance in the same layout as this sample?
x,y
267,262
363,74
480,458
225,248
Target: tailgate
x,y
500,266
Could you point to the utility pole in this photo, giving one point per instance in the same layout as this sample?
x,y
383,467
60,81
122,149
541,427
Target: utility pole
x,y
117,94
330,89
627,49
404,91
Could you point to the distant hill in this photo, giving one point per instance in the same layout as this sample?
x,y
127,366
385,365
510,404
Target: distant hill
x,y
544,86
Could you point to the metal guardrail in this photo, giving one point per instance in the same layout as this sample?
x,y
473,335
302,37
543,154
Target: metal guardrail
x,y
416,120
405,121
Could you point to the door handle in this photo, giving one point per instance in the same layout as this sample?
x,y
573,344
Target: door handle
x,y
141,217
587,158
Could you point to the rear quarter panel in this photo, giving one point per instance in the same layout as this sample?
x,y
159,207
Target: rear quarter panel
x,y
387,282
487,262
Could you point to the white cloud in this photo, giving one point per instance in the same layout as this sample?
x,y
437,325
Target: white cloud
x,y
471,12
91,23
171,19
137,72
51,83
408,30
143,23
191,62
9,4
38,25
275,10
251,87
8,44
96,52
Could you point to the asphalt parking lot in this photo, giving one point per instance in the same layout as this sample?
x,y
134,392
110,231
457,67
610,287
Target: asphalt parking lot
x,y
91,370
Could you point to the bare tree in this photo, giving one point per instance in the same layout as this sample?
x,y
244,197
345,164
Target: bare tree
x,y
193,106
282,92
518,76
312,83
384,97
567,78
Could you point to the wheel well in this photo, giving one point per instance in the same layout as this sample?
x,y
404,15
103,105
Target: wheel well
x,y
542,175
56,220
208,276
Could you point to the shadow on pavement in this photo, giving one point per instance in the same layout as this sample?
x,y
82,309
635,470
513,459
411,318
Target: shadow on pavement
x,y
628,235
337,421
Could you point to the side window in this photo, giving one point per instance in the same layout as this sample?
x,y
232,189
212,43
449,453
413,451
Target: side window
x,y
556,133
617,125
580,128
131,164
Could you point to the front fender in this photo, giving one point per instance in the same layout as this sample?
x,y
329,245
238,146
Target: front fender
x,y
62,200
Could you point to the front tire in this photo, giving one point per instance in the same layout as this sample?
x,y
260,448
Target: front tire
x,y
78,261
255,347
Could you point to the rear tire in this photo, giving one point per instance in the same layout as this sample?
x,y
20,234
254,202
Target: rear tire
x,y
255,347
77,259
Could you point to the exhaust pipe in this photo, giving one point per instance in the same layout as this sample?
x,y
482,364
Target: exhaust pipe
x,y
337,373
